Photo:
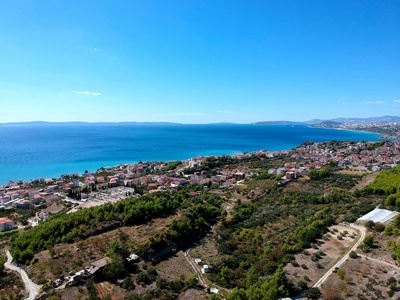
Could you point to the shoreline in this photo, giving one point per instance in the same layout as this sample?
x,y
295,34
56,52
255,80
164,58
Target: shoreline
x,y
381,136
234,143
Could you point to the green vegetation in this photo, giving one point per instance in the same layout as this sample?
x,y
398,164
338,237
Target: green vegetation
x,y
64,228
386,183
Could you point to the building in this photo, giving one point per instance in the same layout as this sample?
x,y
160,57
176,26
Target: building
x,y
6,224
99,264
378,215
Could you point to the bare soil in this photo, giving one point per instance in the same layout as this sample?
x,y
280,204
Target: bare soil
x,y
74,293
333,249
381,250
174,267
206,251
367,179
362,276
192,294
73,257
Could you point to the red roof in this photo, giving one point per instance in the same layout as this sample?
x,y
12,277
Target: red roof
x,y
5,220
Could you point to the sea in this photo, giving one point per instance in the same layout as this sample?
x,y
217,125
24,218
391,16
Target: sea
x,y
47,150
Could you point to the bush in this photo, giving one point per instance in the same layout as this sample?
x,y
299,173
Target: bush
x,y
353,254
390,293
313,293
294,263
142,278
304,267
127,283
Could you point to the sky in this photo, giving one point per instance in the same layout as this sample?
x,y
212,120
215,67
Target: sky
x,y
198,61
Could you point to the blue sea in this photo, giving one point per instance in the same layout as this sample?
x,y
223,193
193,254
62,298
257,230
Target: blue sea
x,y
49,150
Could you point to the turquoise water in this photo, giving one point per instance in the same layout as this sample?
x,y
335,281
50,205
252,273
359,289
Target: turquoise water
x,y
32,151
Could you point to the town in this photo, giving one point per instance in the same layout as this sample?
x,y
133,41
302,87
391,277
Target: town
x,y
112,184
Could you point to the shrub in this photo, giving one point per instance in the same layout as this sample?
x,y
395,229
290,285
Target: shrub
x,y
304,267
368,241
353,254
294,263
341,273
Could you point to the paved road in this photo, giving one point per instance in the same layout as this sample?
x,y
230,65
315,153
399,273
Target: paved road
x,y
29,284
345,257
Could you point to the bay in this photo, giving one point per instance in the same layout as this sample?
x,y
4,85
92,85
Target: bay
x,y
49,150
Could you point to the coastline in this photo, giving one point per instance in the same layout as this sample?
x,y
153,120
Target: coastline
x,y
58,150
381,136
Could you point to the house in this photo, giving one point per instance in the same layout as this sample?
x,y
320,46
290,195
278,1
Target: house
x,y
6,224
51,188
22,203
99,264
36,198
42,215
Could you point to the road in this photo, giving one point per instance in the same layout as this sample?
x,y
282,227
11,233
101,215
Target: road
x,y
345,256
195,268
201,278
29,284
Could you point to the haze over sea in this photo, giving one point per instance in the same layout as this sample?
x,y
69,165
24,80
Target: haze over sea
x,y
49,150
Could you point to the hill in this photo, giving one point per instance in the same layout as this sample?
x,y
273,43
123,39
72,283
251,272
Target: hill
x,y
383,119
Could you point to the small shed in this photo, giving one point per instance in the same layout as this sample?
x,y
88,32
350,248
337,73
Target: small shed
x,y
197,261
99,264
205,269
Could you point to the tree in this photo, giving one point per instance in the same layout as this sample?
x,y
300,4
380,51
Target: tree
x,y
369,224
237,294
353,254
313,293
192,280
215,297
3,260
127,283
369,241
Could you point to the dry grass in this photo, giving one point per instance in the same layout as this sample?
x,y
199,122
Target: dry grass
x,y
362,276
333,249
173,267
73,257
192,294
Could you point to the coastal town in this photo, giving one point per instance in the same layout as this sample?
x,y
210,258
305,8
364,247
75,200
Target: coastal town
x,y
113,184
388,130
231,181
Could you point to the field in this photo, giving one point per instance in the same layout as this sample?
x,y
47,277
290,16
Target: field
x,y
308,270
363,279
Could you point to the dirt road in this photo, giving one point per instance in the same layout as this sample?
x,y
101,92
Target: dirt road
x,y
200,275
367,179
362,231
29,284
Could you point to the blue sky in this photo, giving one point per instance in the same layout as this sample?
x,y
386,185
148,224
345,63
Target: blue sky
x,y
198,61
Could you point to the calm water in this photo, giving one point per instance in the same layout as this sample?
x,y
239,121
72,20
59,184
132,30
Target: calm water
x,y
32,151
